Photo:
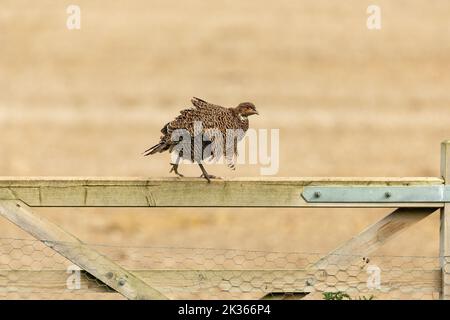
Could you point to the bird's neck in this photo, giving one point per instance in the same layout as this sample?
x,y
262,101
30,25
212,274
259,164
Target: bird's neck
x,y
240,116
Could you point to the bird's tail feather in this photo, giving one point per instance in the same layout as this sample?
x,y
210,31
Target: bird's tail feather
x,y
160,147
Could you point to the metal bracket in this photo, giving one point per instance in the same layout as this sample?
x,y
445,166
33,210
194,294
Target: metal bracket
x,y
382,194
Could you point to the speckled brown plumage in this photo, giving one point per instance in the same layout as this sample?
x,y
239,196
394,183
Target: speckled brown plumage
x,y
210,116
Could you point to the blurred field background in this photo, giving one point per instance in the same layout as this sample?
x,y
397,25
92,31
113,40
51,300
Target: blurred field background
x,y
348,102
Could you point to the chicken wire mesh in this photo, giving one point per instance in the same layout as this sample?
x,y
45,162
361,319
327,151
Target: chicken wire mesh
x,y
32,269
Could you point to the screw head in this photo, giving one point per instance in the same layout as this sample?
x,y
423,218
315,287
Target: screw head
x,y
317,194
387,194
122,282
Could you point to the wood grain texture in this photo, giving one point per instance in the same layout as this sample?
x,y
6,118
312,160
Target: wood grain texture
x,y
79,253
185,284
445,161
374,236
444,246
369,240
444,250
175,192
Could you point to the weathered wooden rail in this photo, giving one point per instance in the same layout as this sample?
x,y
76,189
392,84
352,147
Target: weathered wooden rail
x,y
175,192
19,195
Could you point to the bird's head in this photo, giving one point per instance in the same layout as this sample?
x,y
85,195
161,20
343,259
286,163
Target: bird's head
x,y
246,109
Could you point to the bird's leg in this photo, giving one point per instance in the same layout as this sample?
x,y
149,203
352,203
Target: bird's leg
x,y
175,167
206,175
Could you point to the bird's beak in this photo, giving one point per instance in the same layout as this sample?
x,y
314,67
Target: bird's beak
x,y
255,112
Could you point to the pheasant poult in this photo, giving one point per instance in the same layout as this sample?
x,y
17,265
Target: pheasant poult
x,y
215,124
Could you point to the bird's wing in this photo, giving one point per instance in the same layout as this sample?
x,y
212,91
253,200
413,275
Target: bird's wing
x,y
200,103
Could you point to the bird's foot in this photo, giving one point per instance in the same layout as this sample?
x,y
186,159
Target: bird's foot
x,y
209,177
175,170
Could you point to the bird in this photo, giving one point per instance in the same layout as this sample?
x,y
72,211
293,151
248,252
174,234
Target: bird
x,y
216,123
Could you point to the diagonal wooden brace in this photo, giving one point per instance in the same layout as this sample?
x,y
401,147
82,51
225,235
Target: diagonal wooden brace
x,y
373,237
107,271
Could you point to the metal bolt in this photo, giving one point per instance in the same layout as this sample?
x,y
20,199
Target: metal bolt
x,y
317,194
109,275
388,194
122,282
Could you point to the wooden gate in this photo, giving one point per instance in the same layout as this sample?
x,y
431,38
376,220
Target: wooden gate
x,y
18,197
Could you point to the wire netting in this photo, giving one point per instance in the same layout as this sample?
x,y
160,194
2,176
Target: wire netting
x,y
32,269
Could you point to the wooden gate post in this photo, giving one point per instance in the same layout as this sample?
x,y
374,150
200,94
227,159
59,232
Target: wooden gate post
x,y
444,251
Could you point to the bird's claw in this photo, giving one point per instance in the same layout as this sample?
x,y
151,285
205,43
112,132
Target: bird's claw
x,y
209,177
173,169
